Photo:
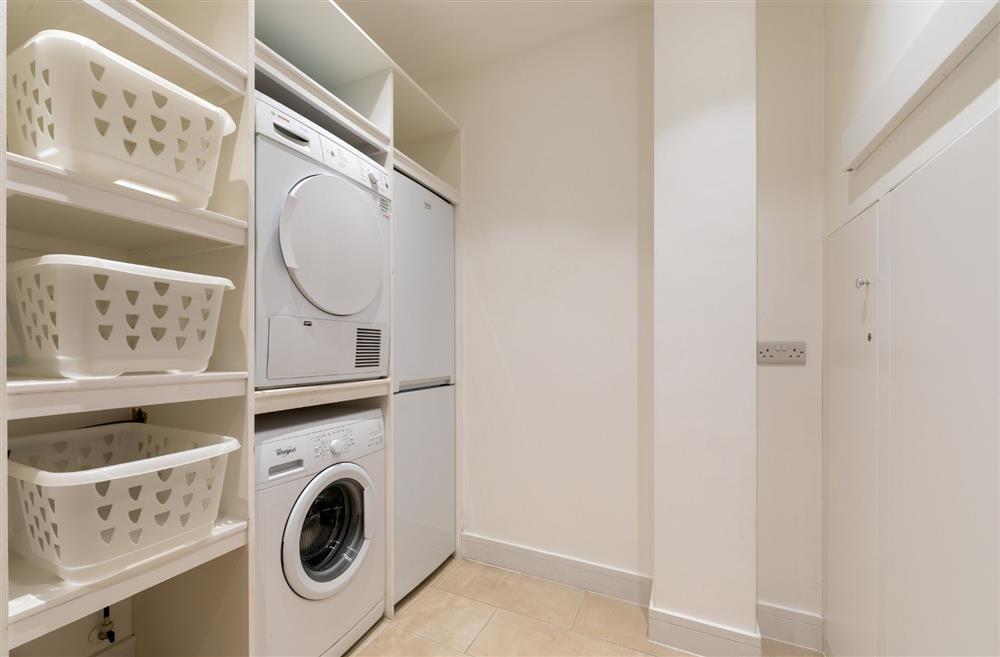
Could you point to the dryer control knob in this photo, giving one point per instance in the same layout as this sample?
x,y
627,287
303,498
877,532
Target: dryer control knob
x,y
337,446
372,178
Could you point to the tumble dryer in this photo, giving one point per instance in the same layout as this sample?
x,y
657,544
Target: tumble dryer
x,y
322,255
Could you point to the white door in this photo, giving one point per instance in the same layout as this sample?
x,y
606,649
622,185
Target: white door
x,y
424,436
424,297
940,405
850,454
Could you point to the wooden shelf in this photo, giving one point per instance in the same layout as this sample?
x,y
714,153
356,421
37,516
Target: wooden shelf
x,y
321,99
47,200
41,397
281,399
137,33
416,116
414,170
41,602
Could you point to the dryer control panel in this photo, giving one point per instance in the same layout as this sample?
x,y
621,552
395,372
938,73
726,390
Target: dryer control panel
x,y
311,450
301,135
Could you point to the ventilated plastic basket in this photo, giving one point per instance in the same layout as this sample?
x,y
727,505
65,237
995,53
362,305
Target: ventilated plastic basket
x,y
95,501
77,105
82,317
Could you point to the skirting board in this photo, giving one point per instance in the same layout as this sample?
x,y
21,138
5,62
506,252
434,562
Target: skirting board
x,y
612,582
794,626
699,637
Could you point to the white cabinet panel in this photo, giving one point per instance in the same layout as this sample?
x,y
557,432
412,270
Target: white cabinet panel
x,y
424,479
424,295
850,455
939,417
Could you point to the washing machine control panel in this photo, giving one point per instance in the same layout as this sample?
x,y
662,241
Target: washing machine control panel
x,y
312,450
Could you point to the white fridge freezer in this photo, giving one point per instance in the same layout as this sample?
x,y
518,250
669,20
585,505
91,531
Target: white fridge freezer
x,y
424,483
423,372
423,226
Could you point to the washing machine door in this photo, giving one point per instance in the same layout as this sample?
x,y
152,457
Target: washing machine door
x,y
331,244
327,535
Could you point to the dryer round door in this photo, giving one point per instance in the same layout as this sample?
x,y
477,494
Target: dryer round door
x,y
327,535
331,243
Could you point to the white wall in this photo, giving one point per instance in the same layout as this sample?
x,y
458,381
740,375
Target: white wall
x,y
790,112
555,245
704,589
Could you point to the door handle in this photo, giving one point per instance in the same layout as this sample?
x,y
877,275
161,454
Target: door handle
x,y
862,282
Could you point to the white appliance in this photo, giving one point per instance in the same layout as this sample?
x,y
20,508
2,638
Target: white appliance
x,y
322,252
320,530
424,370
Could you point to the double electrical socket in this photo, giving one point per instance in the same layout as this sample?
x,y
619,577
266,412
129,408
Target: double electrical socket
x,y
781,353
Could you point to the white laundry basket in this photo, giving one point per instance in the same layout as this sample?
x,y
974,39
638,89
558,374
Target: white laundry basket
x,y
83,317
77,105
95,501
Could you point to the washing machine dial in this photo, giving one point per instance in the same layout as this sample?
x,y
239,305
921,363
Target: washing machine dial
x,y
337,445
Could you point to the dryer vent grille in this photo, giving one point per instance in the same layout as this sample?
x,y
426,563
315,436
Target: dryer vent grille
x,y
368,347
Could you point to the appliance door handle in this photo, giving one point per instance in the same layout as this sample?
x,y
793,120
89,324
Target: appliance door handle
x,y
292,134
285,230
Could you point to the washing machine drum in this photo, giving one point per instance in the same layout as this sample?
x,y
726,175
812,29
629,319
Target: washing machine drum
x,y
327,533
331,243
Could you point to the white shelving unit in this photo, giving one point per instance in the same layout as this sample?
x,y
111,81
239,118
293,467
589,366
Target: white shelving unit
x,y
317,96
27,398
136,32
418,117
326,45
310,50
283,399
40,602
49,210
407,165
54,202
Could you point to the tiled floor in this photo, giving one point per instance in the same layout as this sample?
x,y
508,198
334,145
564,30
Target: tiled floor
x,y
468,608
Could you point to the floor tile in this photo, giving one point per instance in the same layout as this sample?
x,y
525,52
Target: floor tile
x,y
512,635
530,596
444,617
392,641
590,647
772,648
618,622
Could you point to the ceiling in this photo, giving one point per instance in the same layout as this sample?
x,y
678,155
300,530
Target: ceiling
x,y
431,38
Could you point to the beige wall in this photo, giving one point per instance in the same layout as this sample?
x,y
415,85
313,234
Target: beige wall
x,y
790,112
555,248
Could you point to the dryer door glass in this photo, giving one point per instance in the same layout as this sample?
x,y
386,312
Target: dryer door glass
x,y
331,243
333,531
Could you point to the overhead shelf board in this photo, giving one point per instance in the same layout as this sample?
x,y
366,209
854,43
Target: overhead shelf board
x,y
416,115
412,169
320,39
48,200
279,79
138,34
281,399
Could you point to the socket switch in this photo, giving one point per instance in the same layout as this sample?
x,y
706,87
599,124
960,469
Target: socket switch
x,y
781,353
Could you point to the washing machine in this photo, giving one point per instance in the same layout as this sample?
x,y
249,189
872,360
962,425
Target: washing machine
x,y
322,255
320,530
